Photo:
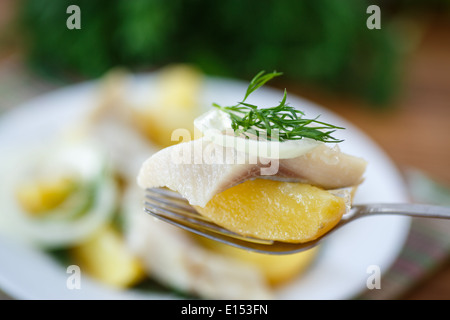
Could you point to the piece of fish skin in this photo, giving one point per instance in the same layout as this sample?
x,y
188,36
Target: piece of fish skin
x,y
200,169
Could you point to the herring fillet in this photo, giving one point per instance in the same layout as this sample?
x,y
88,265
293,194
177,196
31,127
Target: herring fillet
x,y
325,167
200,169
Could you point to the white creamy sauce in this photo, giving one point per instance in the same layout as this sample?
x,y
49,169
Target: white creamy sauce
x,y
216,127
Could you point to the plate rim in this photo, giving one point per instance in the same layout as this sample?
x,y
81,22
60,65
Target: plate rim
x,y
7,286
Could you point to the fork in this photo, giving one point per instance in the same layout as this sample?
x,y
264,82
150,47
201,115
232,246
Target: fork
x,y
171,207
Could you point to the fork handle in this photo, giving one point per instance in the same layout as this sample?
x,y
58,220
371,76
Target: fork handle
x,y
408,209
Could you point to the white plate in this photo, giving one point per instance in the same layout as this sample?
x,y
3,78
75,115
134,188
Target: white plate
x,y
340,271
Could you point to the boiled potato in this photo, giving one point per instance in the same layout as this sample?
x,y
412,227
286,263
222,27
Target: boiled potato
x,y
41,196
276,210
175,107
277,269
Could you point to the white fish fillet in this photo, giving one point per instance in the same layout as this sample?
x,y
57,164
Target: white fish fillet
x,y
200,169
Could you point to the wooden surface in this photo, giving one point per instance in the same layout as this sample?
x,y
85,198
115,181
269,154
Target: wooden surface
x,y
415,132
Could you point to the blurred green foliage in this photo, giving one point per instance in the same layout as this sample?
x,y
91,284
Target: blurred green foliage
x,y
323,42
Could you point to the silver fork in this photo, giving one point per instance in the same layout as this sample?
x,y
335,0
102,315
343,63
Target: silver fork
x,y
170,207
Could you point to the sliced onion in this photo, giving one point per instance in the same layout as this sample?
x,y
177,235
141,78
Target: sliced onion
x,y
62,230
216,127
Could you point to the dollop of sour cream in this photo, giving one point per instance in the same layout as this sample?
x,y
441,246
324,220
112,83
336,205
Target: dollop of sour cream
x,y
215,126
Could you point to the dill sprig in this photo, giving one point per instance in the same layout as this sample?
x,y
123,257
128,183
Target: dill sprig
x,y
282,122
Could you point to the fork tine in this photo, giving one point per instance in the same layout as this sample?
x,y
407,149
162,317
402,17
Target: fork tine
x,y
169,203
157,207
236,242
180,215
200,227
170,207
166,193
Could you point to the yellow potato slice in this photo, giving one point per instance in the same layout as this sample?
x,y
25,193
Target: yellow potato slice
x,y
170,118
106,258
276,210
39,197
277,269
164,127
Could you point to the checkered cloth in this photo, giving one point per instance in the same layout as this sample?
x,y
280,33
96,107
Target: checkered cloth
x,y
427,246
